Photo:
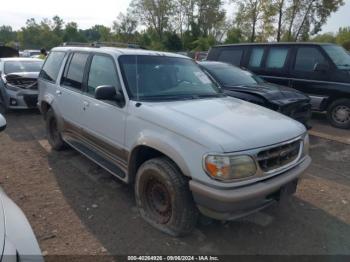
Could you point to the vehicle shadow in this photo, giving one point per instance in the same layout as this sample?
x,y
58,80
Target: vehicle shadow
x,y
106,207
25,125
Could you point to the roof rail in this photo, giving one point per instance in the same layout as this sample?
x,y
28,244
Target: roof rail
x,y
102,44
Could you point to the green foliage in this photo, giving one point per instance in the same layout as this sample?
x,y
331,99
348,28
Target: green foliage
x,y
234,35
193,25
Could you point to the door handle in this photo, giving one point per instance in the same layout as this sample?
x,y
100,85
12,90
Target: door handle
x,y
85,105
58,92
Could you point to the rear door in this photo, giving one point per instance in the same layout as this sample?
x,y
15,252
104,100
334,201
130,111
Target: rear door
x,y
275,65
305,78
104,121
70,100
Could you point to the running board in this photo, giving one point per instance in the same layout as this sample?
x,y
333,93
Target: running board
x,y
97,158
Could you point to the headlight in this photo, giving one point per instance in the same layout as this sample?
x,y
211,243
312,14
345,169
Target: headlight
x,y
226,167
306,146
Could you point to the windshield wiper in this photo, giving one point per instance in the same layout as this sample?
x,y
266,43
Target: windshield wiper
x,y
166,97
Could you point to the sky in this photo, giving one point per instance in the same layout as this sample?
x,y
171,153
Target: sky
x,y
89,13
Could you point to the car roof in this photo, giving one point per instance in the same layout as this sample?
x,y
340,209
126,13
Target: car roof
x,y
273,43
20,59
118,51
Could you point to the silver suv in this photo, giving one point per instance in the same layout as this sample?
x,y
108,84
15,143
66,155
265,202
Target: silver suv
x,y
156,120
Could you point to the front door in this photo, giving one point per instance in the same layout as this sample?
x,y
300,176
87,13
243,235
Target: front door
x,y
104,121
308,80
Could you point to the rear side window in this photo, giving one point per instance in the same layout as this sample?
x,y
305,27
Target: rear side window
x,y
232,56
102,72
52,66
277,57
307,58
256,56
74,72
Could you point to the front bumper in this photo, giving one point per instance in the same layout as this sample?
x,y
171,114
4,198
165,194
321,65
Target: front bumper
x,y
229,204
22,99
300,111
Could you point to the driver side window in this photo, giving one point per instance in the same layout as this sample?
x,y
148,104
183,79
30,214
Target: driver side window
x,y
102,72
307,58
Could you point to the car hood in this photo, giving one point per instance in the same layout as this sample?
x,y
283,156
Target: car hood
x,y
228,123
23,75
274,93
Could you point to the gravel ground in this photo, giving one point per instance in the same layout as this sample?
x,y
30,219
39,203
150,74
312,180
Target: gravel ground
x,y
77,208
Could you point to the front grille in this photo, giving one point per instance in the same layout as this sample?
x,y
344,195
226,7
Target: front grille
x,y
279,156
23,82
31,100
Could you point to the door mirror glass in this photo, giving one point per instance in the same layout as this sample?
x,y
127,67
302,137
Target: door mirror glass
x,y
321,67
107,92
2,123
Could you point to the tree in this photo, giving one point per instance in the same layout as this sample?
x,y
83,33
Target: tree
x,y
153,13
324,38
343,37
234,35
71,33
125,24
172,42
7,35
253,14
306,17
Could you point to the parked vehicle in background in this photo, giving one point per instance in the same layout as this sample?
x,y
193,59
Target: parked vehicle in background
x,y
17,240
6,51
18,83
31,53
320,70
245,85
156,120
200,56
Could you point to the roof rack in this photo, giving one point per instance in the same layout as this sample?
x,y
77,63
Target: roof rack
x,y
102,44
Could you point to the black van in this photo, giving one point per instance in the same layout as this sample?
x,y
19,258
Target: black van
x,y
320,70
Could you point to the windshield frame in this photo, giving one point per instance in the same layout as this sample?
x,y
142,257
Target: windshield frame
x,y
339,49
21,61
161,98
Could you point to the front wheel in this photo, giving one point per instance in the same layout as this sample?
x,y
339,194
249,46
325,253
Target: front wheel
x,y
53,134
339,113
163,197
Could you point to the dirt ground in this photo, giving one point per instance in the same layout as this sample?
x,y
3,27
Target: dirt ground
x,y
77,208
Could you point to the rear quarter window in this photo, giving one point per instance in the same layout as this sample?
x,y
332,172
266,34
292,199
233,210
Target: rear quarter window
x,y
232,56
52,66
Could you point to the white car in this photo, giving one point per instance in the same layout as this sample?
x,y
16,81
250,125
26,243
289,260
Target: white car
x,y
156,120
17,240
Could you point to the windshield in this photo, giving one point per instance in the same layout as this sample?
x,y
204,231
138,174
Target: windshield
x,y
161,77
338,55
22,66
231,76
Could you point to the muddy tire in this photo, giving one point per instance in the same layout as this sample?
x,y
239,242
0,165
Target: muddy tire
x,y
338,113
53,134
163,197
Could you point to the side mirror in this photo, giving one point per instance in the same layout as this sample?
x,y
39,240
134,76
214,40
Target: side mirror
x,y
321,67
107,92
2,123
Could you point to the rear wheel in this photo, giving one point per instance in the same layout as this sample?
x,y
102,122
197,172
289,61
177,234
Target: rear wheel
x,y
53,134
163,197
339,113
